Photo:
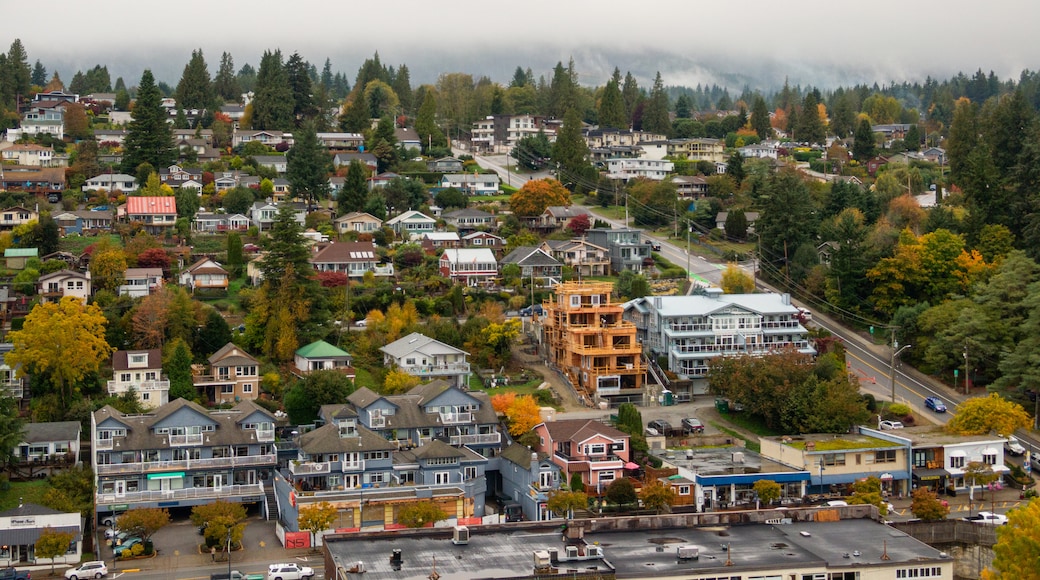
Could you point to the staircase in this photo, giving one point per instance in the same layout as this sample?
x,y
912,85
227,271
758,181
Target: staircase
x,y
271,505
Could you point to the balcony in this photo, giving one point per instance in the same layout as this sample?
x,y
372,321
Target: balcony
x,y
183,440
456,418
480,439
199,380
595,461
356,465
187,464
265,435
310,468
445,369
117,387
223,492
103,444
13,389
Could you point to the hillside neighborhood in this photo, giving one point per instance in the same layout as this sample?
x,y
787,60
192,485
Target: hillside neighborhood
x,y
268,300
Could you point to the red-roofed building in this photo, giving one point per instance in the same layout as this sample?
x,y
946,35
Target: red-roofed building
x,y
158,214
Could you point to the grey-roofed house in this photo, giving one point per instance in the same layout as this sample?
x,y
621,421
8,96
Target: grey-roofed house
x,y
425,357
21,527
444,165
181,455
140,282
626,246
47,446
750,216
277,162
527,478
366,159
586,258
472,184
354,259
411,222
469,219
535,264
357,221
83,221
692,330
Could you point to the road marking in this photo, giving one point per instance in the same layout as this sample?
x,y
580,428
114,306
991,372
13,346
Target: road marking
x,y
903,384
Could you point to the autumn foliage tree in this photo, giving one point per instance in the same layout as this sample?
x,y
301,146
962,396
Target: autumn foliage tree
x,y
316,517
1018,544
398,382
926,506
564,502
657,496
536,195
420,514
63,340
579,225
736,281
523,415
767,491
144,522
982,415
52,544
220,517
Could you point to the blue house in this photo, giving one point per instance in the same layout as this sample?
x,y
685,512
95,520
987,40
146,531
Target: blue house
x,y
527,479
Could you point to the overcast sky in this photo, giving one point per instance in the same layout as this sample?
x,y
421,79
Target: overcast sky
x,y
819,42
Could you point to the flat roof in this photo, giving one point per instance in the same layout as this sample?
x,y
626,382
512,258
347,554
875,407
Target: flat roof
x,y
505,553
715,461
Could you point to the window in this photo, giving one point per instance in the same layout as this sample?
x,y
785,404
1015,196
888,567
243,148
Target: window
x,y
146,396
227,389
957,462
124,377
684,490
834,459
469,473
605,476
989,458
575,300
596,449
887,456
247,388
441,477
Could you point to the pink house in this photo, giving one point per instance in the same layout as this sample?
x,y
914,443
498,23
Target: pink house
x,y
597,451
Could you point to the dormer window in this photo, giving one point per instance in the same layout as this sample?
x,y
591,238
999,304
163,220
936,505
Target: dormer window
x,y
347,428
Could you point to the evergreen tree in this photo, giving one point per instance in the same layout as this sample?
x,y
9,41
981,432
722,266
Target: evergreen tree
x,y
735,167
913,138
195,89
631,95
300,84
519,78
356,118
655,113
683,107
426,125
863,147
177,365
78,85
225,85
355,189
246,78
149,138
308,165
843,117
15,74
561,92
760,118
612,106
273,98
327,79
403,88
39,74
570,153
810,128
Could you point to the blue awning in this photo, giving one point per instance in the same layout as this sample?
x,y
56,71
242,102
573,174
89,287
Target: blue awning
x,y
751,478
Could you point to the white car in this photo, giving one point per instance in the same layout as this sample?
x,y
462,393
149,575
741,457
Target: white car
x,y
988,518
1014,446
95,569
291,571
888,425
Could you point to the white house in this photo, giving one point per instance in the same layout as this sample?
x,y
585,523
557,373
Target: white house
x,y
57,285
427,358
472,184
411,222
470,266
140,282
111,182
140,370
625,168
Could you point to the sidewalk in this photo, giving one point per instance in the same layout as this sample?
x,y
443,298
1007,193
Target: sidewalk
x,y
960,506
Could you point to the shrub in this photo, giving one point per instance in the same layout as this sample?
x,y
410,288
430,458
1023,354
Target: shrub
x,y
898,409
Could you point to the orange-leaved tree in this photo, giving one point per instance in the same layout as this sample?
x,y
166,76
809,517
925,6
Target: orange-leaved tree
x,y
523,415
535,196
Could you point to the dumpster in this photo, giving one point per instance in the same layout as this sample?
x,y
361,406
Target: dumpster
x,y
722,405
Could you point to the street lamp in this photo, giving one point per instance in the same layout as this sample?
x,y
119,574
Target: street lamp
x,y
229,552
892,369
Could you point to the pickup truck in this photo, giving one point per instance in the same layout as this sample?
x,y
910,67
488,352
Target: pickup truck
x,y
12,574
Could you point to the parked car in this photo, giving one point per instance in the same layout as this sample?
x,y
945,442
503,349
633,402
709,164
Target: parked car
x,y
532,310
888,425
935,404
693,424
126,545
988,518
660,425
291,571
12,574
93,569
1013,446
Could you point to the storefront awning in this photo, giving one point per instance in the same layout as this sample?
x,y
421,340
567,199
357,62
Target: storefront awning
x,y
930,474
27,536
174,475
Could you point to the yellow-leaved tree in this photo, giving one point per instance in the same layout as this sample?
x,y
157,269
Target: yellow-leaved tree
x,y
1018,545
316,518
63,340
398,382
523,415
736,281
536,195
982,415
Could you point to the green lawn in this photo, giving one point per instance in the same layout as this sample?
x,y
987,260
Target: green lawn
x,y
749,422
26,491
76,244
364,378
750,444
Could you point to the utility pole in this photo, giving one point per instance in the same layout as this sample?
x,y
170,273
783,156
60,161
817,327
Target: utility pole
x,y
966,368
892,363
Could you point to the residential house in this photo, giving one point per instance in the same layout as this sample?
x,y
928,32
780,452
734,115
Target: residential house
x,y
626,168
267,137
205,274
339,141
352,258
22,526
606,137
220,222
472,183
556,217
279,163
484,240
626,247
586,258
698,149
112,182
43,119
434,241
934,154
263,213
13,217
181,454
322,356
140,282
891,131
17,257
407,138
111,137
175,175
231,179
141,371
411,223
46,448
469,220
764,150
60,96
596,451
357,221
837,461
234,111
528,477
691,331
503,132
874,164
690,186
231,375
589,341
11,385
344,159
445,165
29,154
939,460
750,216
425,357
470,266
157,214
49,181
57,285
83,221
535,265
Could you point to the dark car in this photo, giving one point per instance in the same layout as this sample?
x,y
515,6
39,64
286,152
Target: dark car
x,y
660,425
693,425
12,574
654,246
935,404
536,309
